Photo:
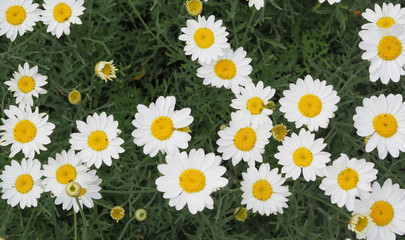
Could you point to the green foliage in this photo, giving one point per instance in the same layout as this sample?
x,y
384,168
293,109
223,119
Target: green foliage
x,y
287,39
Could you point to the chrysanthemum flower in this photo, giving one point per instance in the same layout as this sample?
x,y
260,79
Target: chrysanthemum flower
x,y
257,3
384,119
86,195
21,183
385,51
243,141
302,153
360,223
65,168
347,179
279,132
330,1
263,191
190,179
59,14
140,214
25,130
252,101
106,70
230,70
384,17
309,102
27,82
98,140
385,206
160,127
194,7
74,97
117,213
205,39
17,17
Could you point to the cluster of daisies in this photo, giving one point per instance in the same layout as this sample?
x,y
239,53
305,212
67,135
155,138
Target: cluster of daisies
x,y
67,176
20,16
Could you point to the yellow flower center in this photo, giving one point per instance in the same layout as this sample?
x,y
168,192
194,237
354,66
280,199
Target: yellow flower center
x,y
302,157
192,180
65,174
255,105
242,215
310,105
74,97
385,22
382,213
117,213
385,125
162,128
279,132
98,140
194,7
15,15
348,179
106,69
24,131
82,192
245,139
62,12
204,38
262,190
225,69
24,183
361,223
73,189
26,84
389,48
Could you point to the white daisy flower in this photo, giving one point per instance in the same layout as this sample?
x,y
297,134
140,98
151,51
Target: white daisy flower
x,y
360,223
384,17
65,168
21,183
330,1
243,141
347,179
252,101
190,179
309,102
25,130
85,196
205,39
263,191
257,3
17,17
230,70
383,119
160,127
98,140
302,153
27,82
385,51
59,14
106,70
385,206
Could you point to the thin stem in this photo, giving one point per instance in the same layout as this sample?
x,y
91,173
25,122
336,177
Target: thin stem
x,y
75,219
247,30
84,235
102,204
125,228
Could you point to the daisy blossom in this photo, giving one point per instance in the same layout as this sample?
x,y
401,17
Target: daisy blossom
x,y
253,100
205,39
302,153
360,223
382,118
309,102
106,70
194,7
160,127
384,17
21,183
25,130
243,141
190,179
230,70
59,14
263,191
257,3
17,17
27,82
385,206
97,140
347,179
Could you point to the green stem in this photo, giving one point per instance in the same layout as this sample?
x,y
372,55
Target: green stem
x,y
75,219
84,235
247,30
102,204
125,228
